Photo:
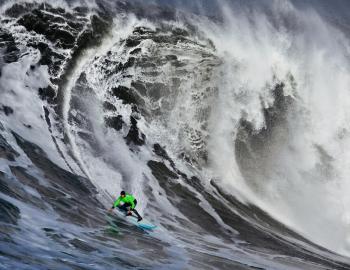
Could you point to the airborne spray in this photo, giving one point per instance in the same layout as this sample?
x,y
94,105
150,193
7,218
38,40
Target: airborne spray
x,y
282,119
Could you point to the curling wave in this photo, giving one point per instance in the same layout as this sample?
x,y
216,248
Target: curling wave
x,y
230,128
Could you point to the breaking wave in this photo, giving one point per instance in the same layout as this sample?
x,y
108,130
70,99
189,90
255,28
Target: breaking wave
x,y
228,121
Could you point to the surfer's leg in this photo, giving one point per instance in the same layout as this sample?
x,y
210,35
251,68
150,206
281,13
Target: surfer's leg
x,y
137,214
135,211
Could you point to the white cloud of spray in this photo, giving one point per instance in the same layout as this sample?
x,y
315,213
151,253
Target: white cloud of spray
x,y
259,50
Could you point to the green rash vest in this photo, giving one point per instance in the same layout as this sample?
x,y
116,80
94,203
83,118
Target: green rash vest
x,y
127,199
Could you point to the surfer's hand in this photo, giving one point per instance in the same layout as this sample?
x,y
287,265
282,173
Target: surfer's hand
x,y
110,210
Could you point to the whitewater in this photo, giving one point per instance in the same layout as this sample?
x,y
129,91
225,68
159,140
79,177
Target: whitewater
x,y
229,121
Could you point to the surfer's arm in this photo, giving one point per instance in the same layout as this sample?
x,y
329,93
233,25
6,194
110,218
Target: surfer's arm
x,y
116,203
132,205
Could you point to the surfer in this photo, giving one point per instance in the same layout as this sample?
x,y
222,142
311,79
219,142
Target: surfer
x,y
129,204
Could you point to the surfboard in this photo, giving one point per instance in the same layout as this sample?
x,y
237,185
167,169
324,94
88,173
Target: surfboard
x,y
143,224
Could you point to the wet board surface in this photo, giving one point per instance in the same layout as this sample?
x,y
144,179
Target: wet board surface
x,y
143,224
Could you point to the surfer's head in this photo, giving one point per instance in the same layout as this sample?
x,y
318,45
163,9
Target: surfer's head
x,y
122,193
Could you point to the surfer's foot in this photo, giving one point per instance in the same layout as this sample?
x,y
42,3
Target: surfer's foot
x,y
139,219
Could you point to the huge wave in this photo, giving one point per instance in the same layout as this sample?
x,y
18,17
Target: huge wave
x,y
228,121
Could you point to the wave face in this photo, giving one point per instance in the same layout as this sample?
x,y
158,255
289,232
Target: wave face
x,y
228,121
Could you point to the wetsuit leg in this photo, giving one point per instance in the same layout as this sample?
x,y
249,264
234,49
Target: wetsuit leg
x,y
135,211
137,214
